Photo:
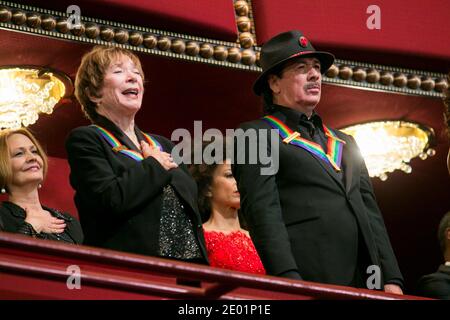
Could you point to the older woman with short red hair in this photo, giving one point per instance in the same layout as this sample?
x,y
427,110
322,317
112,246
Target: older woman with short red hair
x,y
130,194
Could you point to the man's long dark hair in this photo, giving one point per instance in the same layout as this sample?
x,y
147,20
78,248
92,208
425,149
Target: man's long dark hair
x,y
267,94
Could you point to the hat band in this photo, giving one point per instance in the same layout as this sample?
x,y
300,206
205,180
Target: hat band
x,y
301,53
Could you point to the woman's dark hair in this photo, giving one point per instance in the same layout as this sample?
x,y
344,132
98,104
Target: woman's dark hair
x,y
203,175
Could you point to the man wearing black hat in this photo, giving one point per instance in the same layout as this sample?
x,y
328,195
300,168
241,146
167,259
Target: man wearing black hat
x,y
315,219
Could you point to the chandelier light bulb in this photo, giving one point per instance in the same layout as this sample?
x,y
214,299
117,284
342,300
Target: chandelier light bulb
x,y
431,152
423,156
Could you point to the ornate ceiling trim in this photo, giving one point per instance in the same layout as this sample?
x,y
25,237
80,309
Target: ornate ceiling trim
x,y
243,54
387,79
245,24
55,24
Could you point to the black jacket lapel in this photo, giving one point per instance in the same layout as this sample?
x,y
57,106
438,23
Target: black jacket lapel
x,y
347,164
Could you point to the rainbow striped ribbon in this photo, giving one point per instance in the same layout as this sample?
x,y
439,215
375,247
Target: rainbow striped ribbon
x,y
334,144
120,148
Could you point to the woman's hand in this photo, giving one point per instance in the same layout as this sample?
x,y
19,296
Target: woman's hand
x,y
164,158
45,222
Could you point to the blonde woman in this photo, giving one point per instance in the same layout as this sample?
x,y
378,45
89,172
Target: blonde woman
x,y
23,167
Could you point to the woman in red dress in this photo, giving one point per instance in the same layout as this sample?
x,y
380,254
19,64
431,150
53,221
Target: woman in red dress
x,y
229,246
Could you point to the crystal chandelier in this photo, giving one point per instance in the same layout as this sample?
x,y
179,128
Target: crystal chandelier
x,y
27,91
390,145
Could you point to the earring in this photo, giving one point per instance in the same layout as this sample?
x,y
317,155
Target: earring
x,y
39,186
3,190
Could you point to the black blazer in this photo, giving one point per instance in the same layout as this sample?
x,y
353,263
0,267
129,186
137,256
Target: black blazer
x,y
119,200
436,285
305,219
12,219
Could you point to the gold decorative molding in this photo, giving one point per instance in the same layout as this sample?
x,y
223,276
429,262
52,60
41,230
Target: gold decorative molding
x,y
385,78
55,24
245,25
243,54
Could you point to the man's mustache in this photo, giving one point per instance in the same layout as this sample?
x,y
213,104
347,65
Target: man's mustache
x,y
312,85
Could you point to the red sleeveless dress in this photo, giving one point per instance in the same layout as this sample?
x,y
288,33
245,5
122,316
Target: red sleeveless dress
x,y
233,251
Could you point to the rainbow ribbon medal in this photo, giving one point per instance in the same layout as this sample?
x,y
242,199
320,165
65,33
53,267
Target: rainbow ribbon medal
x,y
120,148
334,144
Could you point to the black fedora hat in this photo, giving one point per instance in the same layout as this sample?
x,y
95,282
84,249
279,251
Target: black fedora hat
x,y
286,46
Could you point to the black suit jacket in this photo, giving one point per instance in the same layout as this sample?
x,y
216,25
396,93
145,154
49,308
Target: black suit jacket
x,y
306,219
436,285
119,199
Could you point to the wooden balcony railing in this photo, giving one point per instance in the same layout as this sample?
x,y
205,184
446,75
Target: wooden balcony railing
x,y
40,269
